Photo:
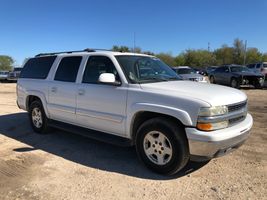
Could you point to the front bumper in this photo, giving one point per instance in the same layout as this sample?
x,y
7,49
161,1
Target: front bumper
x,y
206,145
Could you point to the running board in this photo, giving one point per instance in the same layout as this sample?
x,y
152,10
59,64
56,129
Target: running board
x,y
96,135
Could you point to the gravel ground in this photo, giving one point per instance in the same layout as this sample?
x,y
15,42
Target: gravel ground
x,y
61,165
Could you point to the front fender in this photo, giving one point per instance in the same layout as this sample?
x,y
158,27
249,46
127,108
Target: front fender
x,y
179,114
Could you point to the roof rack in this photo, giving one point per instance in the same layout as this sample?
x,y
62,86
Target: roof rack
x,y
85,50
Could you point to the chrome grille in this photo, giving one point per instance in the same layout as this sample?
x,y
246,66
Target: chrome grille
x,y
237,107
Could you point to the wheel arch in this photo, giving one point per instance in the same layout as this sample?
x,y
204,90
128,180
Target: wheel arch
x,y
36,95
180,117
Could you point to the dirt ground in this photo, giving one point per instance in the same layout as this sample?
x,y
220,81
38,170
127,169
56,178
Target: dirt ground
x,y
61,165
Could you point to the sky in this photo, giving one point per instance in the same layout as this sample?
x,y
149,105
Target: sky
x,y
30,27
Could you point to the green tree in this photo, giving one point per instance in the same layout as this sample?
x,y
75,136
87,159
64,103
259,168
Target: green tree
x,y
180,60
167,58
264,57
224,55
253,55
239,50
121,48
6,63
136,50
199,58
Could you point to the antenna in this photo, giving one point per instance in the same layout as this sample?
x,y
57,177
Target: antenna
x,y
134,43
208,46
245,52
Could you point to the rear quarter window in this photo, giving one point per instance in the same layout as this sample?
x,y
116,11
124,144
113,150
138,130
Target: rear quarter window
x,y
37,68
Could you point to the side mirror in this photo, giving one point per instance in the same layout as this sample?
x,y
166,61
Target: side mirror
x,y
108,78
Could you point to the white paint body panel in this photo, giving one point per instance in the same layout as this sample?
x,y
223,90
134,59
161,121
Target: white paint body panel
x,y
112,109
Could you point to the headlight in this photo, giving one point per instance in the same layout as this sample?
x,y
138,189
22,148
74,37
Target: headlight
x,y
212,126
213,111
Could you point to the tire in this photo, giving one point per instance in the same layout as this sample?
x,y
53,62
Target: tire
x,y
212,80
38,119
234,83
162,146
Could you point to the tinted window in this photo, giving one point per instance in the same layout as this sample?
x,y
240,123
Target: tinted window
x,y
68,68
37,68
143,69
251,66
97,65
258,65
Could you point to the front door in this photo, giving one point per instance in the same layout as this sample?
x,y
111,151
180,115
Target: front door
x,y
100,106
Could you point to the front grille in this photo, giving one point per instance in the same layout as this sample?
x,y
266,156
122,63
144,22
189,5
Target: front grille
x,y
237,107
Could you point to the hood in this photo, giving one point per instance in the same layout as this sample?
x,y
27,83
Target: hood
x,y
212,94
188,76
251,73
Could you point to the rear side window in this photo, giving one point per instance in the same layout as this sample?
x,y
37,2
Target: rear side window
x,y
37,68
68,68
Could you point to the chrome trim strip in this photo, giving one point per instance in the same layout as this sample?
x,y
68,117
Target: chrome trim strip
x,y
100,115
222,117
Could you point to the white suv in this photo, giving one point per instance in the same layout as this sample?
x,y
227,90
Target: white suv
x,y
133,99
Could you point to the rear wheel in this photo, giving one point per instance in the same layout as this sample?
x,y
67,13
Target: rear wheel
x,y
39,121
162,146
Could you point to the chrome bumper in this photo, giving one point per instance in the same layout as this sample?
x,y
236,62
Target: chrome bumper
x,y
206,145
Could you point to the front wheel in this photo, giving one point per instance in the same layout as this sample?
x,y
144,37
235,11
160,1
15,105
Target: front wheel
x,y
234,83
212,80
162,145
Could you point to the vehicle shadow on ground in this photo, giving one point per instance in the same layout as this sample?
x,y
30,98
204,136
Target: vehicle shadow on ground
x,y
82,150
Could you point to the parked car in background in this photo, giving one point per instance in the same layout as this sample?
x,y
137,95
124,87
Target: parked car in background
x,y
14,75
261,68
3,76
236,76
188,73
203,72
210,69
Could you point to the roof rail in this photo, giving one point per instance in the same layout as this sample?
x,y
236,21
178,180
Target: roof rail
x,y
85,50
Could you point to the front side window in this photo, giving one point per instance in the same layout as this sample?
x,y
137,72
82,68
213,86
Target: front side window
x,y
142,69
68,69
97,65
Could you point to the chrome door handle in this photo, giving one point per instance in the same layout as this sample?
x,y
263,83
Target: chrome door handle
x,y
53,89
81,92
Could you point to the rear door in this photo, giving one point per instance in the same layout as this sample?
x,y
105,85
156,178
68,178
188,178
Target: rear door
x,y
62,90
101,106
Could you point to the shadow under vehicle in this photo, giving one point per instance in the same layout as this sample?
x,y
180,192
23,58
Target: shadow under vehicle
x,y
236,76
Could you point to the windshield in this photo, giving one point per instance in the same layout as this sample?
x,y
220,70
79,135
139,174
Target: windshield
x,y
141,69
186,71
239,69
